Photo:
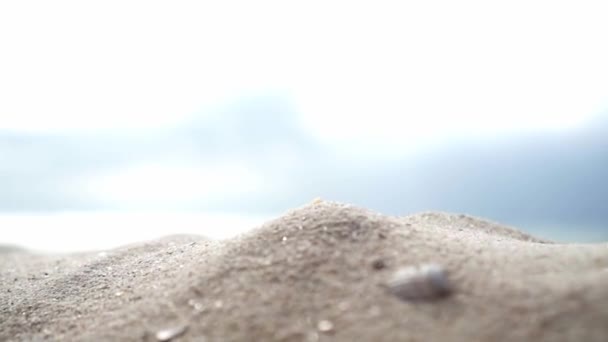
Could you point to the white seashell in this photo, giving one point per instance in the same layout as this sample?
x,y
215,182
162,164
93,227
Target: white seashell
x,y
171,333
423,282
325,326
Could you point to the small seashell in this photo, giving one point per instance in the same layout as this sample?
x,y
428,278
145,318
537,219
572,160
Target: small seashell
x,y
325,326
423,282
317,200
171,333
378,264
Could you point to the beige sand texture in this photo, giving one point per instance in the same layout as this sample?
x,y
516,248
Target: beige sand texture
x,y
318,273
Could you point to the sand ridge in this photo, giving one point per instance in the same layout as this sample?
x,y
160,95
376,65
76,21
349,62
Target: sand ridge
x,y
317,273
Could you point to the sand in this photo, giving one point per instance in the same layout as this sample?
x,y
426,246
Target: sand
x,y
318,273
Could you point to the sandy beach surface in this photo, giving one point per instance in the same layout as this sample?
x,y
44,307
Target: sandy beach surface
x,y
323,272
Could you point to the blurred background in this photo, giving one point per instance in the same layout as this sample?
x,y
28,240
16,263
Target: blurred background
x,y
122,121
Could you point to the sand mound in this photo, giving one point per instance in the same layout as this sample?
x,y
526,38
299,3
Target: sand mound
x,y
318,273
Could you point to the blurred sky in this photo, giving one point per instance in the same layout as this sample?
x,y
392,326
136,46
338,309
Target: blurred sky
x,y
125,120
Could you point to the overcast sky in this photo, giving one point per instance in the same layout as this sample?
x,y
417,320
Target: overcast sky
x,y
251,108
